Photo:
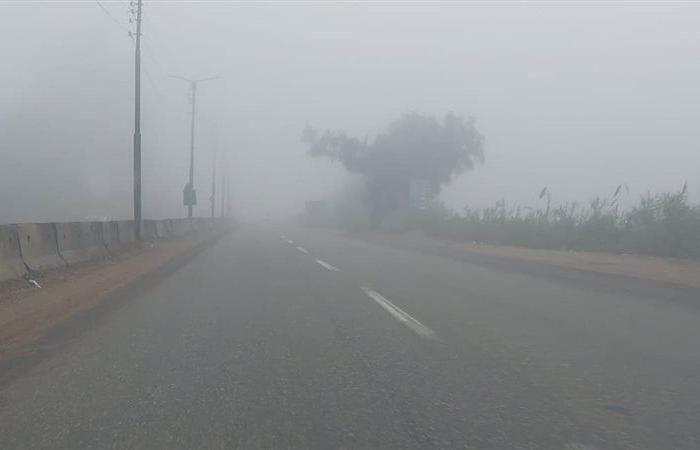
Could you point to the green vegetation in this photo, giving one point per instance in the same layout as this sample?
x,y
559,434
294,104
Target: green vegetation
x,y
414,148
430,151
663,225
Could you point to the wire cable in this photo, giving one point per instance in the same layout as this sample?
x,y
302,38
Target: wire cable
x,y
112,18
151,55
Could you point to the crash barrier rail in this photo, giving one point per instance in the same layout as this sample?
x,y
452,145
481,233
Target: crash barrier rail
x,y
28,248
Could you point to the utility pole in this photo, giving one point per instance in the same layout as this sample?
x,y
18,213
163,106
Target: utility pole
x,y
190,194
137,126
213,185
223,191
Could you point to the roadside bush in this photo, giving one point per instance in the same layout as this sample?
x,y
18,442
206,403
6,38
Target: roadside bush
x,y
664,225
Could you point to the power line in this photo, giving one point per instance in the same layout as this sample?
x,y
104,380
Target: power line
x,y
157,41
151,54
153,84
112,18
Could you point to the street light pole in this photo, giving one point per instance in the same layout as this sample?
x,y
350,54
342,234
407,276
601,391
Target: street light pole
x,y
191,178
190,196
137,127
224,171
213,185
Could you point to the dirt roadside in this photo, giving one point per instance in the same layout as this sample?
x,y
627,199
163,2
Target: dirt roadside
x,y
27,313
672,271
666,270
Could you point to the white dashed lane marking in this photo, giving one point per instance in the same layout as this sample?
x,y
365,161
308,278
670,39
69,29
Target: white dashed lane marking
x,y
396,312
328,266
399,314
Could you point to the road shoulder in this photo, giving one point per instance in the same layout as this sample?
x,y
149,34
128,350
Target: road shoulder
x,y
33,320
642,276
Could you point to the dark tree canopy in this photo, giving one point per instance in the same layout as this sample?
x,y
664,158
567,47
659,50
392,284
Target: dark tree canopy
x,y
415,147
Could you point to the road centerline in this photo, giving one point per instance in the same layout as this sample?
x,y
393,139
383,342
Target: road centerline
x,y
328,266
399,314
302,249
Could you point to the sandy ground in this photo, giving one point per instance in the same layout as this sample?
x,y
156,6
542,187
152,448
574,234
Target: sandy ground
x,y
28,312
670,270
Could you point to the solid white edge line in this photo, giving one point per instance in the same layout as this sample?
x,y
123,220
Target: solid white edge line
x,y
302,249
328,266
399,314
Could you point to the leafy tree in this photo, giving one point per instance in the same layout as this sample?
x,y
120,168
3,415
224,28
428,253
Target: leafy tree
x,y
413,148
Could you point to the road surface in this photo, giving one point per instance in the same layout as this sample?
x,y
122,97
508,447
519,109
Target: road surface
x,y
297,338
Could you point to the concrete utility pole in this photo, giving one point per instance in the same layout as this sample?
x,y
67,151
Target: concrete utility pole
x,y
190,192
213,185
223,191
137,127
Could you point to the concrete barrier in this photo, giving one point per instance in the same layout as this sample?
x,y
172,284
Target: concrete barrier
x,y
170,226
11,263
200,223
162,231
180,227
37,242
149,230
127,232
30,247
110,236
80,241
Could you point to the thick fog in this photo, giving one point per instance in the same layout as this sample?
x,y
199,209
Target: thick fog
x,y
577,97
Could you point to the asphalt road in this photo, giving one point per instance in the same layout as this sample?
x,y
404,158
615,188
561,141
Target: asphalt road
x,y
307,339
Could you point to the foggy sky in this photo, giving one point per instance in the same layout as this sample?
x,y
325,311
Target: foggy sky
x,y
577,97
